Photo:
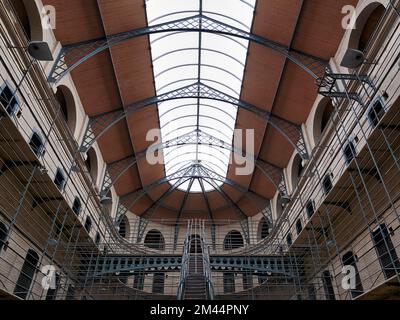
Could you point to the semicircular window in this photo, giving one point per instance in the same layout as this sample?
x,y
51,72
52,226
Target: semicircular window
x,y
198,67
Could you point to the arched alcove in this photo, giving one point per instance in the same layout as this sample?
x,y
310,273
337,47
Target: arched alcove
x,y
264,228
296,170
366,24
66,100
29,17
124,228
92,164
154,240
3,235
323,115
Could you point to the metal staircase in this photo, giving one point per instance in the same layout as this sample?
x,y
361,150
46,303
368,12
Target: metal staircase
x,y
195,279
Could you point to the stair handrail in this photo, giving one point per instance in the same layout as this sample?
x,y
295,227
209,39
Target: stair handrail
x,y
185,263
206,264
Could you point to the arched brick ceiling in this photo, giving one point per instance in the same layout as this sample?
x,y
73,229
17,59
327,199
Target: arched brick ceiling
x,y
123,75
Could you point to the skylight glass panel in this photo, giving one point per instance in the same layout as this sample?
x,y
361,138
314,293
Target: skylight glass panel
x,y
181,59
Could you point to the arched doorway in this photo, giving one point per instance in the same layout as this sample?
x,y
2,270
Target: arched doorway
x,y
195,244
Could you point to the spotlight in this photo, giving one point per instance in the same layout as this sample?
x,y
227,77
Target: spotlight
x,y
105,200
52,242
284,200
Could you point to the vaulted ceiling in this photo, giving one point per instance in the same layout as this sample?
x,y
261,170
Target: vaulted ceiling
x,y
123,74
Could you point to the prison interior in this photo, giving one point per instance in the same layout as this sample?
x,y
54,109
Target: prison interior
x,y
66,234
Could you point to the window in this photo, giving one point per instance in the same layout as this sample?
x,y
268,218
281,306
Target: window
x,y
138,280
59,180
229,282
98,238
9,100
265,227
36,144
158,283
386,251
26,275
327,184
310,208
348,259
233,240
77,206
247,281
376,113
349,152
183,59
299,227
88,224
124,227
154,240
3,235
289,240
328,287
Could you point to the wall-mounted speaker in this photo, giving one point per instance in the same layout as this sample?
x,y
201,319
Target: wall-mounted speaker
x,y
353,59
40,50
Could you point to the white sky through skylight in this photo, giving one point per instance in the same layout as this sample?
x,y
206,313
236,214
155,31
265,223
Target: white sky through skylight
x,y
176,59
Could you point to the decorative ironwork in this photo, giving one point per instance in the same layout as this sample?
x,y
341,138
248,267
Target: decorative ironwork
x,y
99,125
73,55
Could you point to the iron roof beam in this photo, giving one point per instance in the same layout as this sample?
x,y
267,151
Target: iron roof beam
x,y
72,55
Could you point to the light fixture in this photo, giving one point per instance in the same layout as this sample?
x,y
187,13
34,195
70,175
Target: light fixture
x,y
52,242
105,200
75,168
284,200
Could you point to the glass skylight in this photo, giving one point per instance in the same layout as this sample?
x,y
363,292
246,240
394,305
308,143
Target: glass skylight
x,y
185,58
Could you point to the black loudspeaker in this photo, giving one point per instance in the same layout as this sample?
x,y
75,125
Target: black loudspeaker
x,y
40,50
353,59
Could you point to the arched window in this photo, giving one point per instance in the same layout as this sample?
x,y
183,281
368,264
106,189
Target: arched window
x,y
233,240
26,275
327,184
124,227
289,240
29,18
310,208
349,152
297,170
229,282
323,115
158,283
3,235
88,224
368,26
77,206
98,238
59,179
67,105
280,206
263,228
154,240
8,100
299,226
36,143
195,243
92,164
376,112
